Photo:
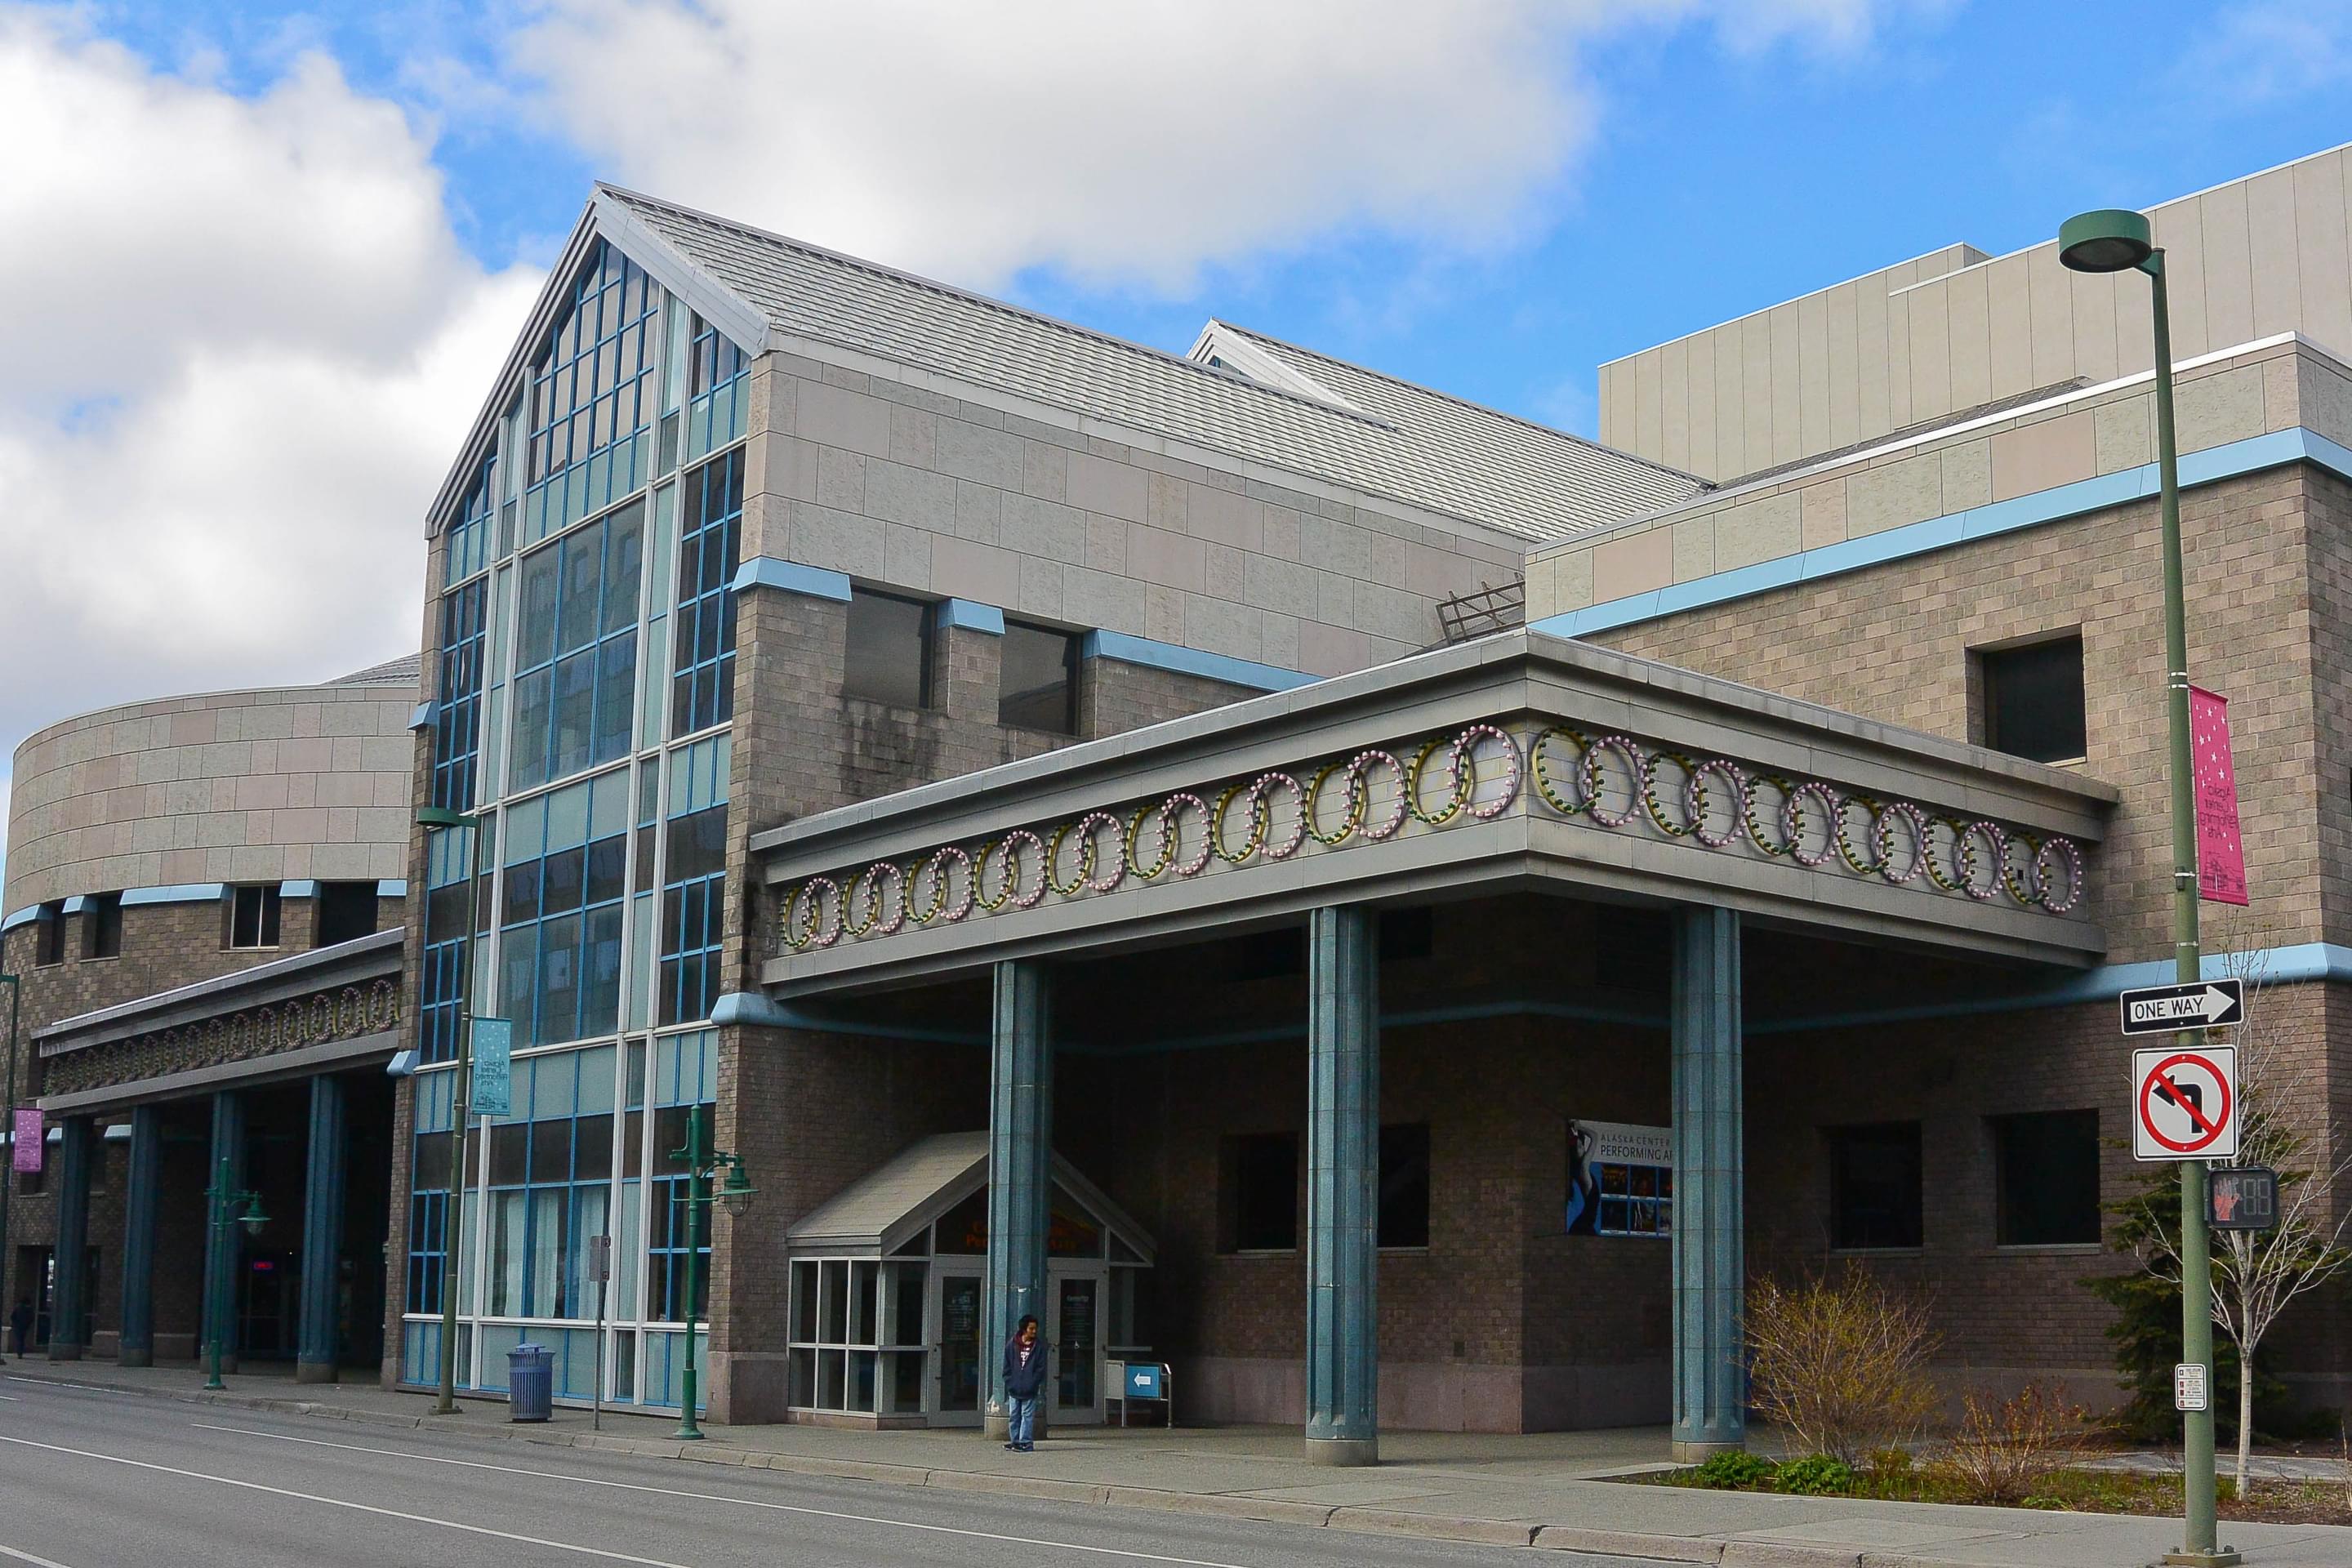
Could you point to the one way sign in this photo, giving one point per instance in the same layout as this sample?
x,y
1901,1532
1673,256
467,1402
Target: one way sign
x,y
2160,1009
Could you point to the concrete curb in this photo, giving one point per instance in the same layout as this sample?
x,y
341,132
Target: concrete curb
x,y
1563,1538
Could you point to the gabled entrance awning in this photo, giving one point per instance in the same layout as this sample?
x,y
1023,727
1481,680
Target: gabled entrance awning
x,y
886,1211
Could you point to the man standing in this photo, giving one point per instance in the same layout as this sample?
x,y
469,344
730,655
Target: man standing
x,y
1024,1376
20,1324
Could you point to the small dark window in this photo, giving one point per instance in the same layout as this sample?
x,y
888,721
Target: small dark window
x,y
1040,683
1874,1186
2033,699
346,913
890,649
2046,1175
1259,1184
1404,1185
102,926
49,933
253,916
1408,933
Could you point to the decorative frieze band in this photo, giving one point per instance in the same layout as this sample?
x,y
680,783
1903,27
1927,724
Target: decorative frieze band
x,y
345,1013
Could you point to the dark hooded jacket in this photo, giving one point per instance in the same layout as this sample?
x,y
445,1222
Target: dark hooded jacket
x,y
1023,1380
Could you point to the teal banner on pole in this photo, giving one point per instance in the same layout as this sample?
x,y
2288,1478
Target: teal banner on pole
x,y
493,1087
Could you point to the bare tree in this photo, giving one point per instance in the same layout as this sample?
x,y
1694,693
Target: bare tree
x,y
2258,1274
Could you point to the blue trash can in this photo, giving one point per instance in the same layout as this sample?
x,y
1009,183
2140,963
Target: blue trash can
x,y
530,1382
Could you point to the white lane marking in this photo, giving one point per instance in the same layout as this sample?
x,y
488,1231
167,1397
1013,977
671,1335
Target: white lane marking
x,y
339,1503
13,1555
720,1497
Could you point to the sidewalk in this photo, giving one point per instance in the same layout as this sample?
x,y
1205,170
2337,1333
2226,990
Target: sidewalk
x,y
1537,1490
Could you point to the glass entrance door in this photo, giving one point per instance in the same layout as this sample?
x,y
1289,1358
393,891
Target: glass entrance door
x,y
1076,1334
960,1349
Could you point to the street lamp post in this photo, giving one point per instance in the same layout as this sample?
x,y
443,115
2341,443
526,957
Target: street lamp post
x,y
735,1195
221,1204
8,1176
2117,241
453,1208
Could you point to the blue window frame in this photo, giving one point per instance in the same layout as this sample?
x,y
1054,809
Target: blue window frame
x,y
560,932
457,706
577,649
694,882
702,691
428,1184
469,533
717,388
593,395
686,1074
550,1186
450,897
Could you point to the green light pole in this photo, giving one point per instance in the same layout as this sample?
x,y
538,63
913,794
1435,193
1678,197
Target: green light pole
x,y
2116,241
453,1206
222,1202
9,1107
735,1194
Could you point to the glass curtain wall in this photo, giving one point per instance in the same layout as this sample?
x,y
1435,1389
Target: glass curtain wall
x,y
587,629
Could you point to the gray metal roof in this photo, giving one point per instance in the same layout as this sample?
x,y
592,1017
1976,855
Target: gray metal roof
x,y
881,1210
1371,433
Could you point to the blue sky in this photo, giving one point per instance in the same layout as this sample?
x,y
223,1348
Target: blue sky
x,y
279,249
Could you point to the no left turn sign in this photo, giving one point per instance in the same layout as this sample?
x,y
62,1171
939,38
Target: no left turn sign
x,y
2185,1103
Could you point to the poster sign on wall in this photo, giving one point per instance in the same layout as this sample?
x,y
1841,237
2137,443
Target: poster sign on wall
x,y
2221,853
25,1146
1621,1179
493,1085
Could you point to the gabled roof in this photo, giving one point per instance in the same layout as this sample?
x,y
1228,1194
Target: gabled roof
x,y
1364,430
881,1210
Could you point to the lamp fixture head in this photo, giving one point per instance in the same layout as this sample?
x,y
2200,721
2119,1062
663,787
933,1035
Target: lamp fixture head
x,y
2112,240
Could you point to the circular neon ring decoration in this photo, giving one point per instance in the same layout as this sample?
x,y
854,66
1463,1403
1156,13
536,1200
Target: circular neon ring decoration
x,y
1650,802
1844,825
1134,840
1749,794
2074,859
1360,776
1591,769
1170,815
872,878
1465,768
821,931
1262,813
1998,842
1539,763
1091,824
1695,801
1457,796
963,907
920,911
1085,860
1960,854
1350,821
1217,826
1882,832
1793,819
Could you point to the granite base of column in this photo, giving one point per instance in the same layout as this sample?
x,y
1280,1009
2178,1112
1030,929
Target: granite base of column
x,y
314,1371
135,1358
1343,1451
64,1352
1686,1453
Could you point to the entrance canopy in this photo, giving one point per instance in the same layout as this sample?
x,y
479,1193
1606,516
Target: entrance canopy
x,y
932,1198
1521,762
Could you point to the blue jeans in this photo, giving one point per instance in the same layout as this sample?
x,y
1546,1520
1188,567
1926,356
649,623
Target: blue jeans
x,y
1020,1427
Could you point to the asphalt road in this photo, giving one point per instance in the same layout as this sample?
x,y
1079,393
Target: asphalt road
x,y
92,1479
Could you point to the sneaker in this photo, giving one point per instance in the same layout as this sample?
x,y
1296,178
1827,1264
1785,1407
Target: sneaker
x,y
1015,1446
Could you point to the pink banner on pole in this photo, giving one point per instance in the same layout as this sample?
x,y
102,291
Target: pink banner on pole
x,y
26,1149
2221,855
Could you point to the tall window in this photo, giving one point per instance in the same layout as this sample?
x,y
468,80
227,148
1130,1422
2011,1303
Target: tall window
x,y
1404,1185
716,384
456,711
702,692
577,649
2046,1176
549,1182
253,916
559,933
452,916
346,913
1874,1186
1258,1193
890,649
2033,699
101,925
694,882
49,933
1040,686
685,1074
592,396
428,1185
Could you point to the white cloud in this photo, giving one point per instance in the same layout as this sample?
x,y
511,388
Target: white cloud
x,y
242,347
2255,54
1116,143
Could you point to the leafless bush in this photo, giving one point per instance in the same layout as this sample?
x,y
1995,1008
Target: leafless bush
x,y
2003,1451
1841,1361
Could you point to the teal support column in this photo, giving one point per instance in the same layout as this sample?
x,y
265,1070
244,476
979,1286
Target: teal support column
x,y
1710,1406
1343,1174
70,1310
1020,1166
225,1254
322,1234
139,1237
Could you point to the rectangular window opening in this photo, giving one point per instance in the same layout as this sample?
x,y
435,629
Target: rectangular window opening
x,y
1874,1186
346,913
890,649
1258,1185
102,926
2032,699
253,916
49,934
1404,1185
2046,1178
1039,686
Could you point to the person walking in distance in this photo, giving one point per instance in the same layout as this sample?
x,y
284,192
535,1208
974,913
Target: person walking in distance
x,y
20,1324
1025,1380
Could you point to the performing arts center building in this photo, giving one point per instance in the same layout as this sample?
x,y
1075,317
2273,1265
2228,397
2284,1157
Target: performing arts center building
x,y
1391,911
